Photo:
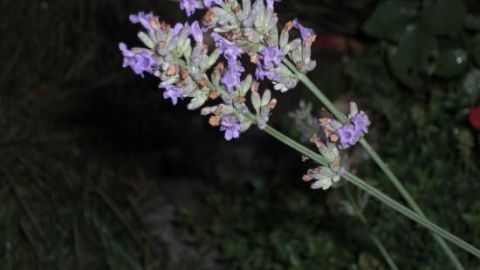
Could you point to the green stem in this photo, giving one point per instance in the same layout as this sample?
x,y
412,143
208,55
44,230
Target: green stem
x,y
372,191
393,179
358,212
322,160
408,198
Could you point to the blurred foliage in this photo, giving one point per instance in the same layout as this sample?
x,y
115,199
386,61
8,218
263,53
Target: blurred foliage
x,y
97,172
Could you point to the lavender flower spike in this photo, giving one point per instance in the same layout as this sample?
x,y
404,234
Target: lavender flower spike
x,y
140,62
190,6
231,126
172,92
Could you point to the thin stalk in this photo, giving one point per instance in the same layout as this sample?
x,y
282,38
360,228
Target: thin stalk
x,y
358,212
362,184
372,191
409,199
309,153
393,179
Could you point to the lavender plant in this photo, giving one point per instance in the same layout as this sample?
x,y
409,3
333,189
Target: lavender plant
x,y
230,83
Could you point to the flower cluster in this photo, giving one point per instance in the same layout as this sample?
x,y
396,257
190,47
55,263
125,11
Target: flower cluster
x,y
349,133
324,177
242,34
337,136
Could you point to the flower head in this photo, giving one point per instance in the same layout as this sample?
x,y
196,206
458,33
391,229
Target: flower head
x,y
139,62
190,6
231,126
172,92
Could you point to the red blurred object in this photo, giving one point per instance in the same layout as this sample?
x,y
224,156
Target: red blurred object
x,y
474,117
331,42
337,43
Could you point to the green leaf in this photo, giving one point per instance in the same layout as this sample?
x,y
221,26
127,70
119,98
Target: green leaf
x,y
450,63
390,19
443,17
413,55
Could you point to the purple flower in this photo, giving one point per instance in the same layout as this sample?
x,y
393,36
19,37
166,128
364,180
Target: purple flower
x,y
190,6
272,56
176,29
236,66
304,31
228,48
261,72
348,136
231,79
140,62
231,126
196,32
172,92
144,19
208,3
361,123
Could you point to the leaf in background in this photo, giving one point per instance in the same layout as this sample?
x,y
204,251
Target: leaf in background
x,y
390,19
471,86
450,63
472,23
444,17
412,56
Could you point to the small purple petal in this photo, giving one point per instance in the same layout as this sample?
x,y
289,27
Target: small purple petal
x,y
272,57
348,136
144,19
172,92
361,122
197,32
139,62
231,126
304,31
261,73
228,48
190,6
208,3
176,29
231,79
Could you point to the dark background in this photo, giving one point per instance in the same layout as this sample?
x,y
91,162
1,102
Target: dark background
x,y
99,172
